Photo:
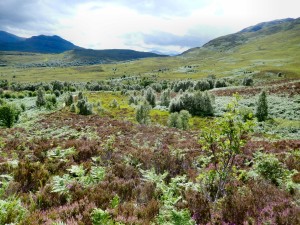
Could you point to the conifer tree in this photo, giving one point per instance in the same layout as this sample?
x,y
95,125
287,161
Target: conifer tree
x,y
262,107
40,101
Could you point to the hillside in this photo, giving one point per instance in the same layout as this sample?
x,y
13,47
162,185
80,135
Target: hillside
x,y
252,33
9,38
71,55
90,56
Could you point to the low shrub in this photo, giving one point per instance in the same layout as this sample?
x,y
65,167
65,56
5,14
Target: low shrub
x,y
11,211
179,120
9,114
142,113
84,107
40,101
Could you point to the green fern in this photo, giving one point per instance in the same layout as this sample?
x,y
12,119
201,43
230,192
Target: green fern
x,y
97,173
60,184
76,170
11,211
171,194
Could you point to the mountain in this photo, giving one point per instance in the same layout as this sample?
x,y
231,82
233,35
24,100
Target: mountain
x,y
252,33
263,50
74,55
9,38
39,44
90,56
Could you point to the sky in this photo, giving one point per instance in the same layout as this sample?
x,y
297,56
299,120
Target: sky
x,y
166,26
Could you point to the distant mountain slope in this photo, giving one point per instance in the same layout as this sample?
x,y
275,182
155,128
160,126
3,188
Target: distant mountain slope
x,y
89,56
248,34
73,55
39,44
262,50
9,38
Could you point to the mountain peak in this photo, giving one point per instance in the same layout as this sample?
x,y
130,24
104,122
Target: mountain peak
x,y
9,38
259,30
39,43
262,25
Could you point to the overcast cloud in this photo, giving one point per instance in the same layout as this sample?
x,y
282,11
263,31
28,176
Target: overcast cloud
x,y
147,25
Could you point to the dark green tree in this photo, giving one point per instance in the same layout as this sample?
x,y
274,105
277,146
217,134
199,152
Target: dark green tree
x,y
150,96
40,100
84,107
262,107
69,99
9,114
142,113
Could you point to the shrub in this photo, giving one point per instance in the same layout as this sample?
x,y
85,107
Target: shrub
x,y
199,104
131,100
262,107
222,142
184,117
84,108
57,93
165,98
150,96
142,113
80,95
202,105
51,102
202,85
7,95
23,107
176,105
31,175
4,84
157,87
114,104
269,167
69,99
179,120
73,108
173,120
100,217
40,101
57,86
169,196
247,81
246,113
183,85
9,114
220,83
21,96
11,211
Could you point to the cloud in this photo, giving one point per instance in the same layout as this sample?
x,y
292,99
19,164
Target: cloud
x,y
167,39
163,8
30,17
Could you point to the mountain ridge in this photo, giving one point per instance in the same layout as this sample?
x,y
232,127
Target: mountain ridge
x,y
75,54
230,41
36,44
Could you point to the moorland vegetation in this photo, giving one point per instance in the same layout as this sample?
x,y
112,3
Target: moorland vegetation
x,y
207,137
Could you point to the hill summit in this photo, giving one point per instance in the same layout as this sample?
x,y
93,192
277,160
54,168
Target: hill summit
x,y
39,44
252,32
